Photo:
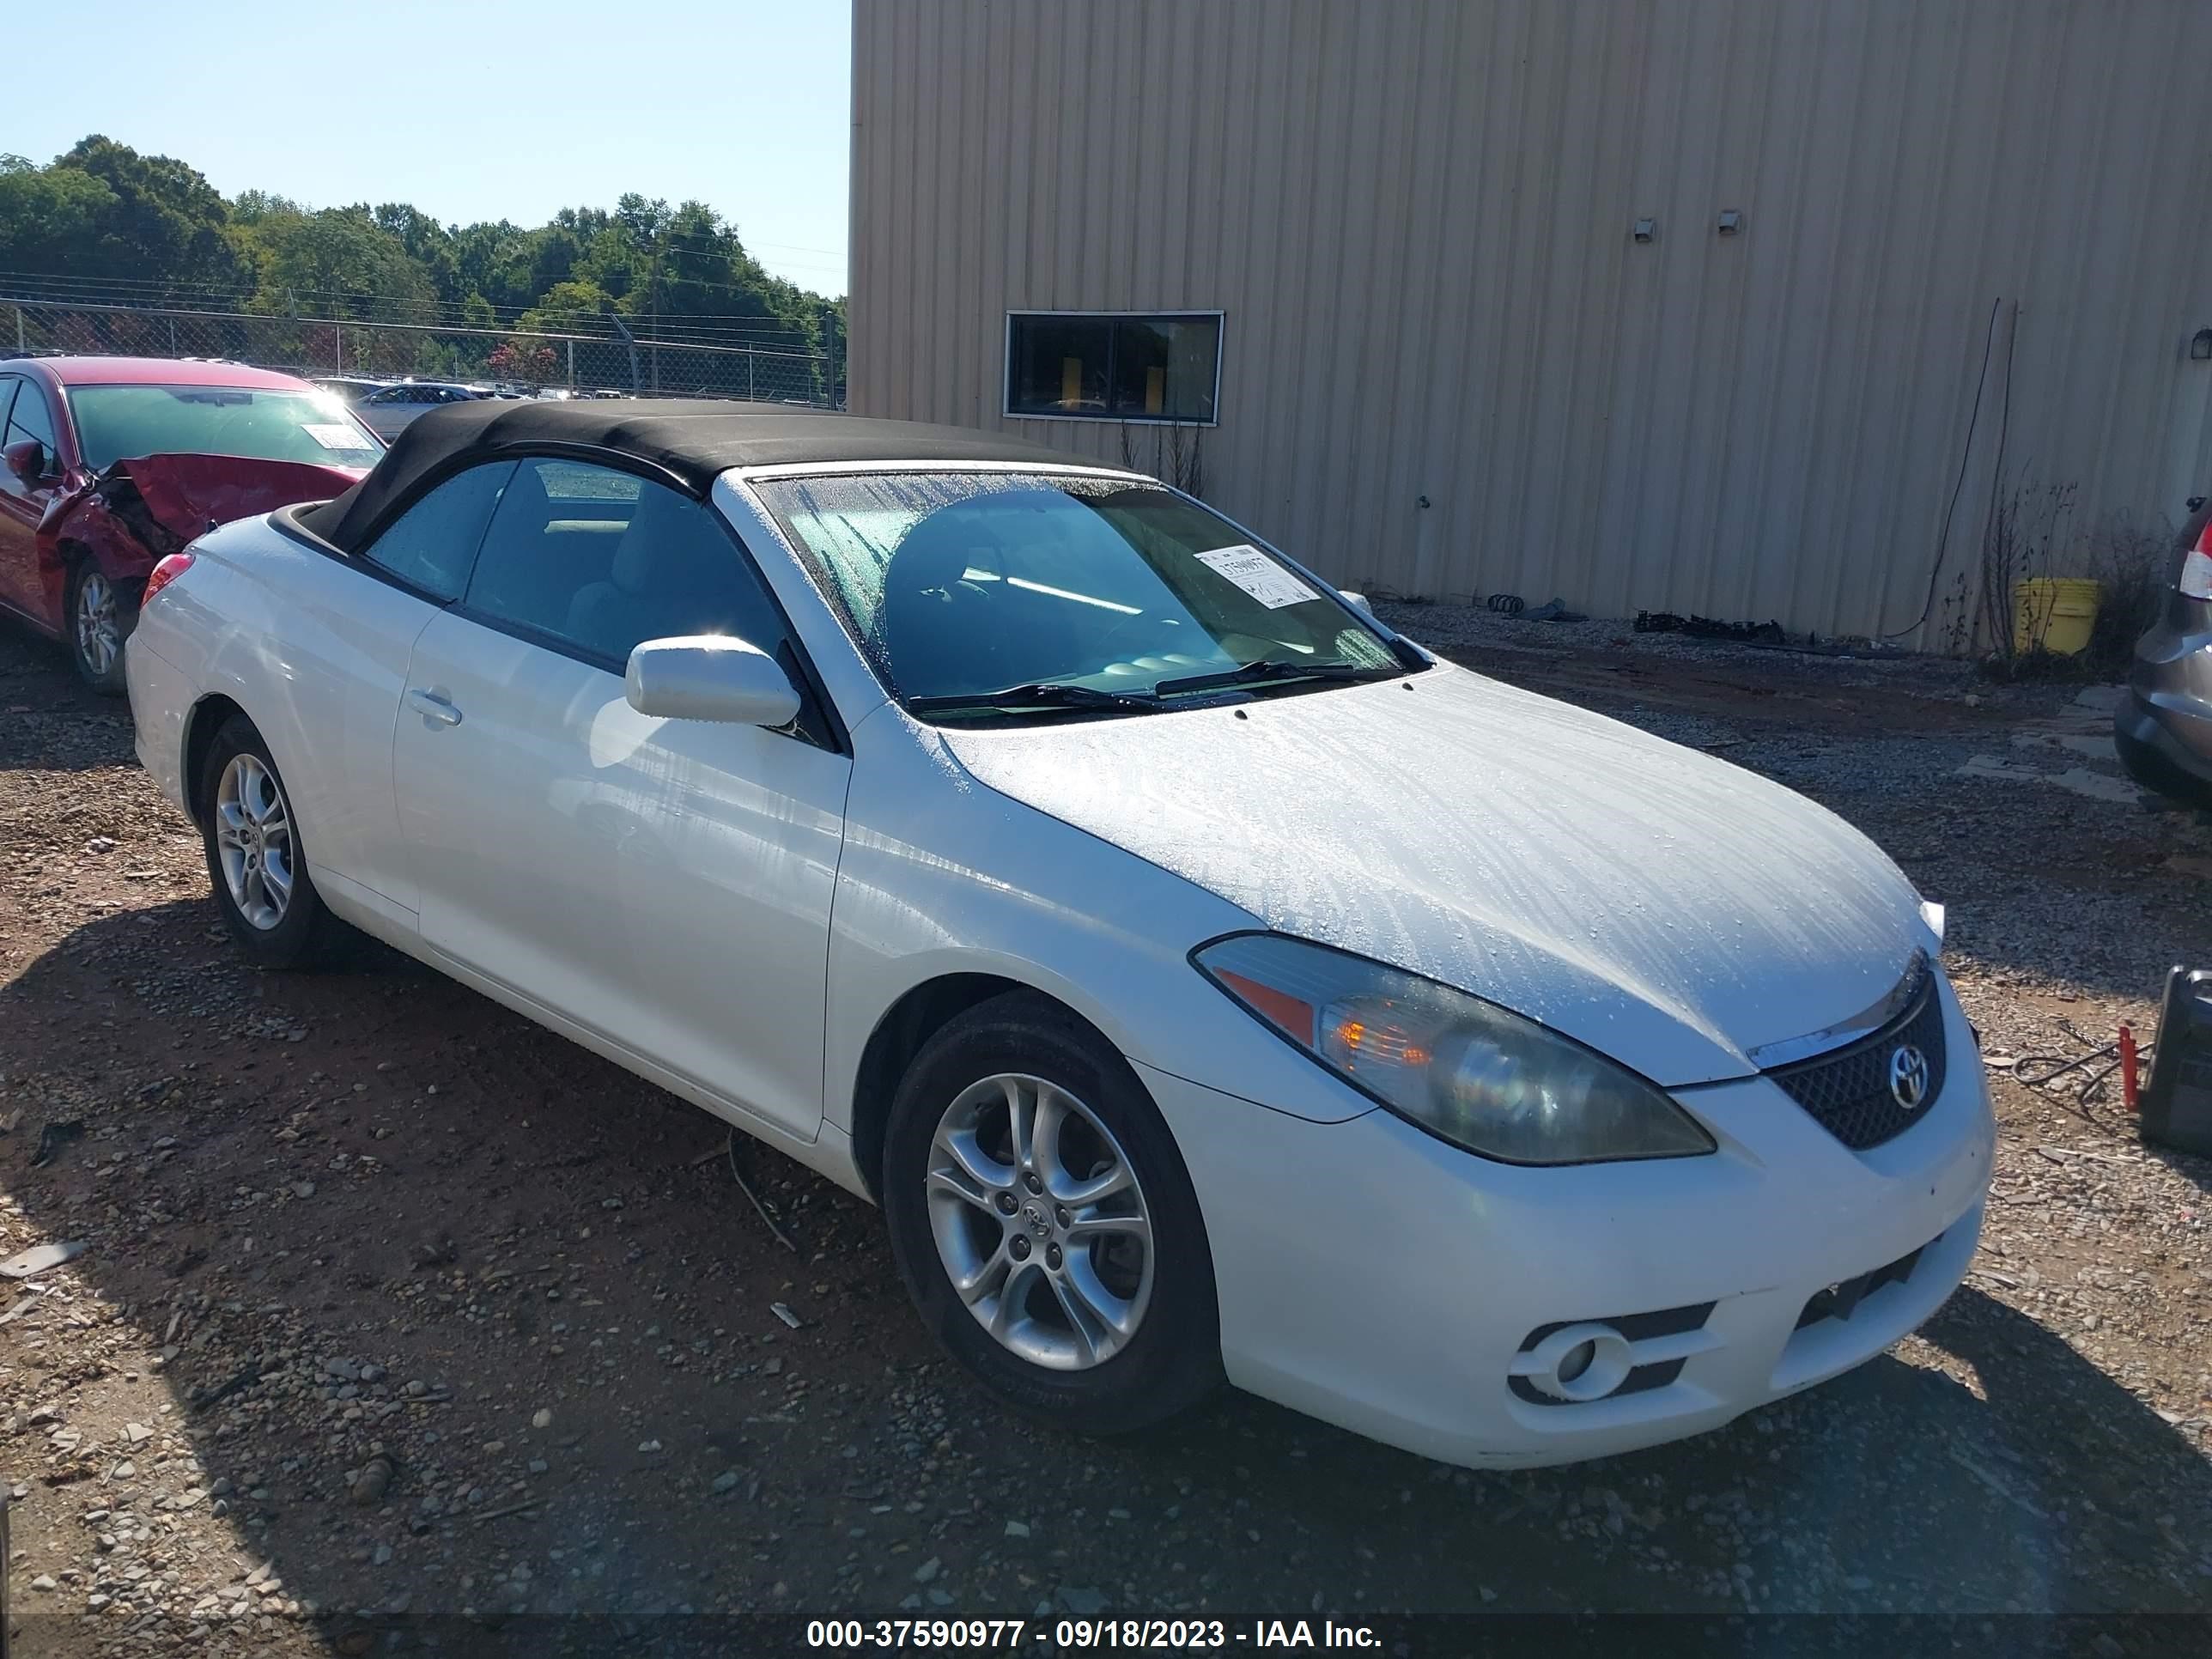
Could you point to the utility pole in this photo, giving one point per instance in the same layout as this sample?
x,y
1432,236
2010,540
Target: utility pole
x,y
622,328
654,297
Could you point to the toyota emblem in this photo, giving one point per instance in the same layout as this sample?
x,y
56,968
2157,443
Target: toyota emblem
x,y
1908,1076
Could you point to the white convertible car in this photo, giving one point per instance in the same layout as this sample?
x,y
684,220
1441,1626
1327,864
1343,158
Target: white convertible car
x,y
1204,979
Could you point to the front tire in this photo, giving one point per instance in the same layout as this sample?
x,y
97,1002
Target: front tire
x,y
268,900
1044,1223
101,614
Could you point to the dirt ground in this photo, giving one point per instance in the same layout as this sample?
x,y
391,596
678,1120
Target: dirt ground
x,y
399,1321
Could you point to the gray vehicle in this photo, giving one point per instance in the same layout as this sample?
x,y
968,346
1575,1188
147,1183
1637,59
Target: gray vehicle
x,y
2163,727
392,410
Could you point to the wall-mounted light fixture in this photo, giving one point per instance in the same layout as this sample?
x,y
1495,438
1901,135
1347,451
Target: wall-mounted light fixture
x,y
1644,229
1731,221
2200,346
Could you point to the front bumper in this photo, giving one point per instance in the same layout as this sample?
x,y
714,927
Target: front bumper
x,y
1378,1278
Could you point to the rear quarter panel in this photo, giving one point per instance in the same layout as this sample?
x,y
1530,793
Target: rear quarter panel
x,y
314,651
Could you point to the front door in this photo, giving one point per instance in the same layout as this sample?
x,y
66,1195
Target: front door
x,y
23,586
663,884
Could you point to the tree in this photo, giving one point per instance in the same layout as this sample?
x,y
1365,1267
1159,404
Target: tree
x,y
428,243
157,228
568,308
339,263
532,362
102,210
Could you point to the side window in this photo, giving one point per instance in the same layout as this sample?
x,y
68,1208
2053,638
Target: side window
x,y
28,419
10,483
600,561
430,544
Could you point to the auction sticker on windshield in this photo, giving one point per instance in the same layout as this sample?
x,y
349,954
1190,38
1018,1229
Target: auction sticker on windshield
x,y
1258,575
336,437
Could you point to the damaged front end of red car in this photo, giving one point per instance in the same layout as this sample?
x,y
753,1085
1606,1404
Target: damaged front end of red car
x,y
138,511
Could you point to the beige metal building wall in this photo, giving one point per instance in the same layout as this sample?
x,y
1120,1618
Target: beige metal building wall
x,y
1416,215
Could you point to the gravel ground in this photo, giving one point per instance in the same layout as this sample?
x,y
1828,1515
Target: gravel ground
x,y
393,1308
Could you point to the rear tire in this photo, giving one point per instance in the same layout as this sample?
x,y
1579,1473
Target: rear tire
x,y
2154,772
1089,1299
98,617
255,862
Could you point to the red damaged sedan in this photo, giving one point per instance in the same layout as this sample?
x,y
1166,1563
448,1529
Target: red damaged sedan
x,y
110,464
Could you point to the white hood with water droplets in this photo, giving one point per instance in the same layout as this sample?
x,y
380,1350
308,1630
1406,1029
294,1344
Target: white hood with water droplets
x,y
1666,908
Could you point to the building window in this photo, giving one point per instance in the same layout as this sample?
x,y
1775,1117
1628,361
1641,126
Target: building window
x,y
1114,367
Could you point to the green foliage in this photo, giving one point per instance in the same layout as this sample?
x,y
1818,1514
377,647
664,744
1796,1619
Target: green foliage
x,y
339,263
103,210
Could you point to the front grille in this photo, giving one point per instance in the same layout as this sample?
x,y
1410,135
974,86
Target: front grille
x,y
1838,1301
1847,1091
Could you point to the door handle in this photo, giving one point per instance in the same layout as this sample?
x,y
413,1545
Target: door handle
x,y
433,707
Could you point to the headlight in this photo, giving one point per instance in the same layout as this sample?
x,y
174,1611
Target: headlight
x,y
1459,1067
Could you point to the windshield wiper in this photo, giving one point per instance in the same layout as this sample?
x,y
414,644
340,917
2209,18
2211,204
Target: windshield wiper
x,y
1038,694
1270,668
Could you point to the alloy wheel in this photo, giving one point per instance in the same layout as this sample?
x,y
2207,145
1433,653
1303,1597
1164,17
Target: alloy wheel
x,y
98,632
253,835
1040,1222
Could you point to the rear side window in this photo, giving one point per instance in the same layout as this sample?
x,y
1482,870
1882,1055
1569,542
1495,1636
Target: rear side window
x,y
431,545
598,561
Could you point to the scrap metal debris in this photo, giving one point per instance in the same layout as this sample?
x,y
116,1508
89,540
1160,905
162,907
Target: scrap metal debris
x,y
730,1147
53,1137
39,1257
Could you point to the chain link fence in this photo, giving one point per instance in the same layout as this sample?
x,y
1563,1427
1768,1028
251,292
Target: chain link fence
x,y
319,347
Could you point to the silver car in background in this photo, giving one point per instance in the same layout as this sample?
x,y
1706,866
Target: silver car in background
x,y
2163,727
391,411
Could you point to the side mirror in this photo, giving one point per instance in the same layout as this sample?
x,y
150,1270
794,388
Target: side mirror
x,y
27,459
710,677
1357,601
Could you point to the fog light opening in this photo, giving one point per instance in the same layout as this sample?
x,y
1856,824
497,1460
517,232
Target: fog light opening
x,y
1580,1363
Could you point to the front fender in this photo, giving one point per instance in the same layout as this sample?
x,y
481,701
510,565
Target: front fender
x,y
940,875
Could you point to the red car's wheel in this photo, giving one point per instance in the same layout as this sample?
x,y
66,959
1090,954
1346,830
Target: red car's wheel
x,y
98,616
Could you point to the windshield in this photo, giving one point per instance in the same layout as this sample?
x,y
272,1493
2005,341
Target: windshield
x,y
122,422
958,586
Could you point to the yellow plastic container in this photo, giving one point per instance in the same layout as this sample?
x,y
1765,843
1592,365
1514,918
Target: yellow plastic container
x,y
2054,613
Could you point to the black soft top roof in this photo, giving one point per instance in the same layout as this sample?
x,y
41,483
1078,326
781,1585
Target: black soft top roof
x,y
687,440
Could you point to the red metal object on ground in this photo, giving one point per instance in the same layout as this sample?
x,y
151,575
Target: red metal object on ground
x,y
2128,1082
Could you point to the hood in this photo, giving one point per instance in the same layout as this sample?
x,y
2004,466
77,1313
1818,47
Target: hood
x,y
1665,908
185,494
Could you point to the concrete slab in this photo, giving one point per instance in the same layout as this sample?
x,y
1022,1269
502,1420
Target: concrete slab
x,y
2078,780
2096,745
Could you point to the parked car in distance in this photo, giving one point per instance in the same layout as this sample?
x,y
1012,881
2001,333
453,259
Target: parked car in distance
x,y
1206,980
2163,726
113,462
350,388
391,411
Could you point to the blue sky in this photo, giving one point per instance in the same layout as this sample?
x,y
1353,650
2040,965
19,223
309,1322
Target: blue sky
x,y
483,110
